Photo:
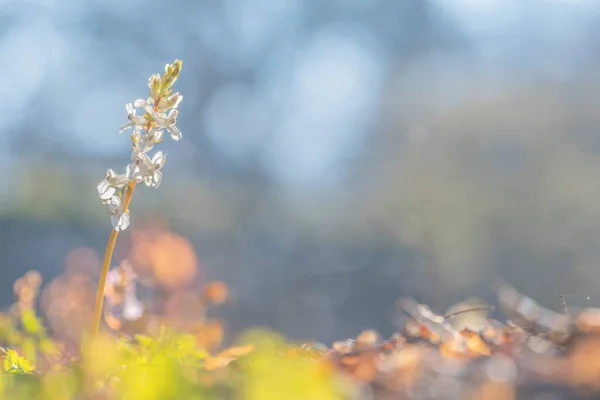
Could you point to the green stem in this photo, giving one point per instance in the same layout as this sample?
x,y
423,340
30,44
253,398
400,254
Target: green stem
x,y
110,247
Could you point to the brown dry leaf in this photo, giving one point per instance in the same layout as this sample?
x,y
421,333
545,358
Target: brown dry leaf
x,y
420,331
343,346
209,334
475,344
113,323
237,351
228,355
454,348
366,368
584,363
405,366
349,361
393,343
589,320
217,362
494,335
366,339
434,337
293,352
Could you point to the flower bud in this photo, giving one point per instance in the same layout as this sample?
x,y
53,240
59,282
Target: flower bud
x,y
154,84
167,82
176,68
170,76
173,100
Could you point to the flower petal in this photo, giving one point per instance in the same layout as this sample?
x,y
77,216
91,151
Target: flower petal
x,y
158,160
172,116
132,171
132,308
157,178
105,190
126,126
124,221
114,201
170,102
175,132
156,134
120,222
140,103
114,220
175,100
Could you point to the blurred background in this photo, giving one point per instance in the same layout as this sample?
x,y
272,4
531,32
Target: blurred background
x,y
336,154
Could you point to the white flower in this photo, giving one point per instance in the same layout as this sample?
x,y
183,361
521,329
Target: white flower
x,y
135,121
139,122
146,169
165,121
136,139
153,176
122,275
111,182
169,102
158,113
143,103
118,217
105,190
120,293
137,169
133,309
145,142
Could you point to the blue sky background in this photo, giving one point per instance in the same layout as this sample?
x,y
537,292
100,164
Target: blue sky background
x,y
336,153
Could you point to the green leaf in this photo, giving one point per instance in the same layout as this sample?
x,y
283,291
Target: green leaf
x,y
145,341
49,347
29,349
13,363
30,322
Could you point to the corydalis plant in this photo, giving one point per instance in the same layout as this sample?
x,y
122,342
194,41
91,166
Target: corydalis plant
x,y
116,190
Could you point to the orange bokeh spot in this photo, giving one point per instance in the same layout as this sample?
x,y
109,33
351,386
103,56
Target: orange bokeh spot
x,y
183,308
163,257
33,278
215,292
209,334
67,302
82,260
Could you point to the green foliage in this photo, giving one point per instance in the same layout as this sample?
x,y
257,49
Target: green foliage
x,y
13,363
31,324
272,373
165,365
